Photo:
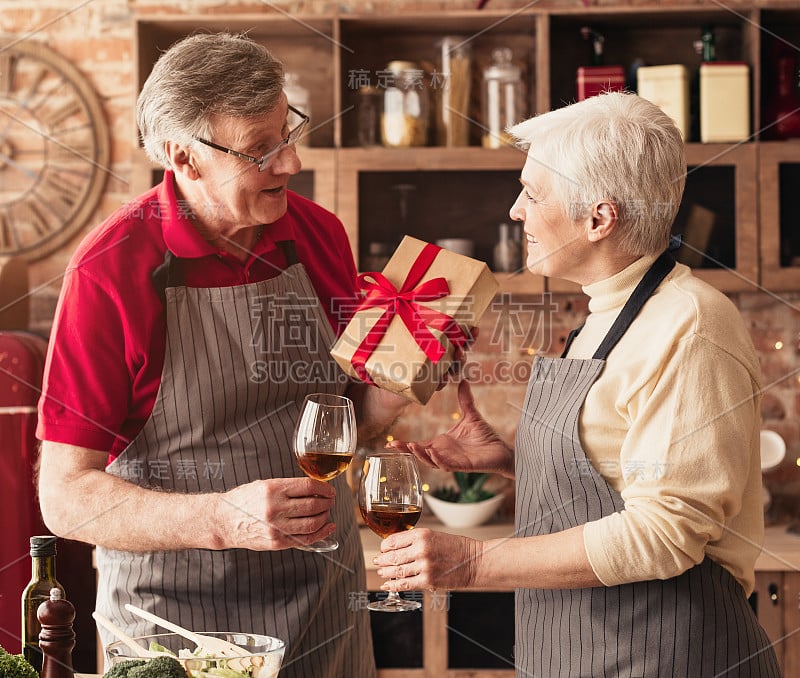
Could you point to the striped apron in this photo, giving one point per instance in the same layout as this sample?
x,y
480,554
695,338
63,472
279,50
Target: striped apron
x,y
697,624
239,361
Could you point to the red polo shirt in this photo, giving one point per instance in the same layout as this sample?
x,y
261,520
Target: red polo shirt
x,y
107,344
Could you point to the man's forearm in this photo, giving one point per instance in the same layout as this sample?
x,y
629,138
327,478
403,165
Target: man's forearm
x,y
87,504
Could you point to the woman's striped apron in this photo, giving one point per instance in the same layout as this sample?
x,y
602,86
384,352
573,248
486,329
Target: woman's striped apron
x,y
698,624
239,361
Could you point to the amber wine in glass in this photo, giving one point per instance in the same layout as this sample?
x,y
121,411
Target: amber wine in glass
x,y
390,499
324,443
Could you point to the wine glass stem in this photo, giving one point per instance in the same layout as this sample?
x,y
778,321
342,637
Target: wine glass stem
x,y
393,597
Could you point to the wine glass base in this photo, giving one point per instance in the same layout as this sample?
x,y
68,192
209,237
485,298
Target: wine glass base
x,y
321,546
398,605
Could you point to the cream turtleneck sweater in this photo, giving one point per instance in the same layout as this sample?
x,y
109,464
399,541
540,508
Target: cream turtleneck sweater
x,y
672,424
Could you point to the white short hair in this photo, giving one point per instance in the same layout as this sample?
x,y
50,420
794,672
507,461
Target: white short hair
x,y
617,147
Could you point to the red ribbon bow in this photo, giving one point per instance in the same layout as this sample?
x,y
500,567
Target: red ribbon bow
x,y
405,303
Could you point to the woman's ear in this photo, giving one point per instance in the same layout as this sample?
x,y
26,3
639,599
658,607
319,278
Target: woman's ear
x,y
605,215
182,160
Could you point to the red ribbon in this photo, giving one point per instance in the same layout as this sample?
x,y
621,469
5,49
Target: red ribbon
x,y
380,292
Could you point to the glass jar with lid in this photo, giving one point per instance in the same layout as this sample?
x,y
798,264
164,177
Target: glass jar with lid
x,y
503,98
369,106
453,90
404,119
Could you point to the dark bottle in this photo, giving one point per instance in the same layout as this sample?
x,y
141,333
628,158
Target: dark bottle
x,y
597,40
57,637
43,578
707,49
783,109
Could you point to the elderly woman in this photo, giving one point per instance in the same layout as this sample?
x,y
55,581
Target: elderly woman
x,y
638,496
191,325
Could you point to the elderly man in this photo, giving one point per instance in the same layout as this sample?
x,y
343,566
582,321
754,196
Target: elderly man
x,y
191,325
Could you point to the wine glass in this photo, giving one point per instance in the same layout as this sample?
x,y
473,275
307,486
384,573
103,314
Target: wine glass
x,y
324,443
390,499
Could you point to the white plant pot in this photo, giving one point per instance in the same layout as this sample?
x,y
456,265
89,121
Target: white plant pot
x,y
455,514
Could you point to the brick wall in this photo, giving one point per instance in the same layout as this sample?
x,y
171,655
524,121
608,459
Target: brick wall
x,y
97,36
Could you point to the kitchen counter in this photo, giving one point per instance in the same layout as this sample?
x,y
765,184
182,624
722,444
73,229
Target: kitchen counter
x,y
781,550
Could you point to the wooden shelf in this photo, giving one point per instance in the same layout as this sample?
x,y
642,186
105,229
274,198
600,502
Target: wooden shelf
x,y
774,275
323,49
743,276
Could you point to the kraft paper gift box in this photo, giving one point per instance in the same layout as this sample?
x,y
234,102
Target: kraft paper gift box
x,y
438,294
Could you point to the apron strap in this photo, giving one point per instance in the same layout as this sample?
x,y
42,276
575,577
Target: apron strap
x,y
570,338
167,274
289,252
647,285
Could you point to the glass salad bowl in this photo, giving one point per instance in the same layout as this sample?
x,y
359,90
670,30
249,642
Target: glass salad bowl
x,y
262,657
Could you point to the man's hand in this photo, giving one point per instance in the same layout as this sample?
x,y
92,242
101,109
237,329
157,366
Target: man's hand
x,y
275,514
79,500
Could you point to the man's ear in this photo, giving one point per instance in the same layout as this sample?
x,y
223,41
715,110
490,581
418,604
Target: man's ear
x,y
182,160
603,220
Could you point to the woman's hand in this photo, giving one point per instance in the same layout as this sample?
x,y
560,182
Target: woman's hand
x,y
423,559
470,445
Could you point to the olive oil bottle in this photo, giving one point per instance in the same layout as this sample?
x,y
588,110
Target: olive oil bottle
x,y
43,578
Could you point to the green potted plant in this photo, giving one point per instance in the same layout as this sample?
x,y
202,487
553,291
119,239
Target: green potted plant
x,y
469,490
466,505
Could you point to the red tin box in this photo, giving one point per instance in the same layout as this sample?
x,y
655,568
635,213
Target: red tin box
x,y
592,80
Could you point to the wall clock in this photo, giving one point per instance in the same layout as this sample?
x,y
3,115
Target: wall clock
x,y
54,149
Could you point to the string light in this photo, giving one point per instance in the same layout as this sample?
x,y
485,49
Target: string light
x,y
455,416
425,487
778,345
798,461
531,351
389,438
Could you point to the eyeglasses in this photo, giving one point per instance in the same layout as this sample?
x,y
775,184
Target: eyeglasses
x,y
266,160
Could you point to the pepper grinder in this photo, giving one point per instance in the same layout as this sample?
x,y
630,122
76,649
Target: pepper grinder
x,y
57,639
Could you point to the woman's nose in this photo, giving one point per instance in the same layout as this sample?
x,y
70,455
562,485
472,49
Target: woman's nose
x,y
517,211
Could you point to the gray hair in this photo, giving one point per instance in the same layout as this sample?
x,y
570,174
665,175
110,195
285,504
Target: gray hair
x,y
203,76
617,147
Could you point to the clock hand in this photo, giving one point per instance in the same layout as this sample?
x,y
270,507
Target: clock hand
x,y
18,167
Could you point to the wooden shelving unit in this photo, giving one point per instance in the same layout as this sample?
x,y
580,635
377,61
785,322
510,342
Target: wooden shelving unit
x,y
326,50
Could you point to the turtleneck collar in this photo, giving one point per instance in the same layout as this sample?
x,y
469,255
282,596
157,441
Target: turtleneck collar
x,y
613,292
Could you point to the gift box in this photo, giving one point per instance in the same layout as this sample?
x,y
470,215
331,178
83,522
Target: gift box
x,y
414,315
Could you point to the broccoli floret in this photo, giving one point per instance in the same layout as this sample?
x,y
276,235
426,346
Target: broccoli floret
x,y
123,669
160,667
15,666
